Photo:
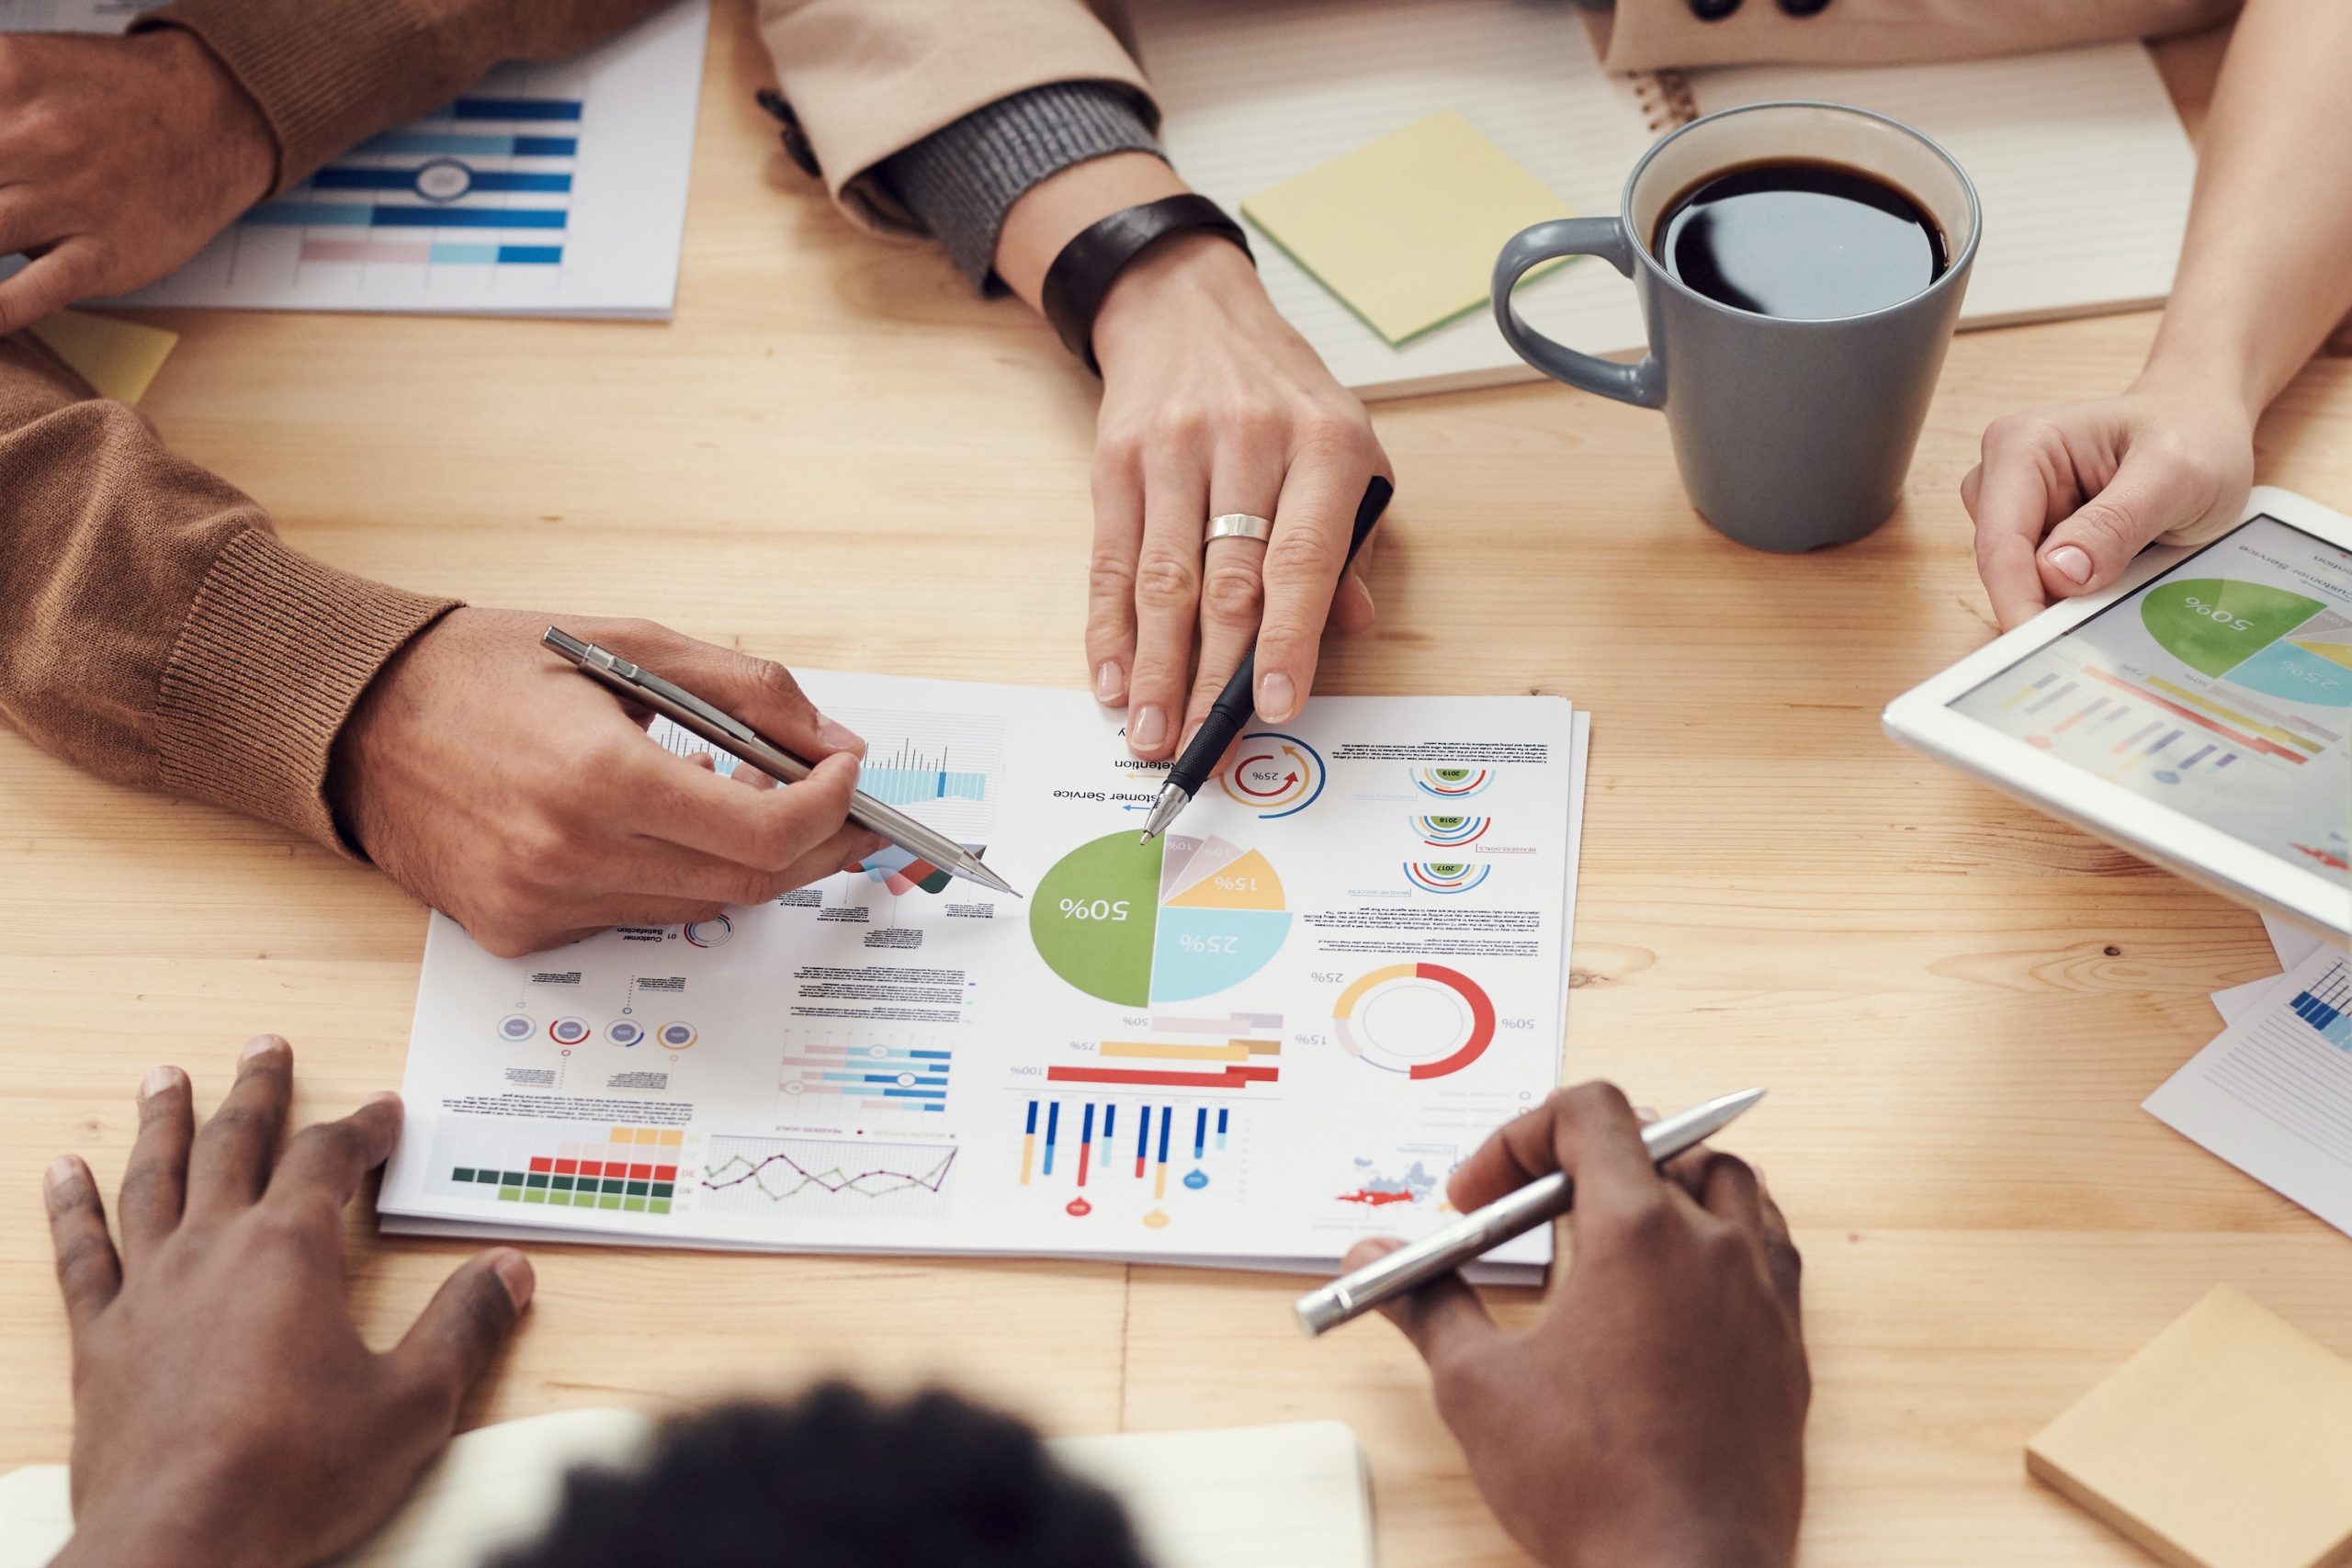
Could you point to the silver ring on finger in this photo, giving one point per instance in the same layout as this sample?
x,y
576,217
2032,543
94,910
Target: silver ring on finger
x,y
1241,526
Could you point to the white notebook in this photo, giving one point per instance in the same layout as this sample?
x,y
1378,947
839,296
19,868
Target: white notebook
x,y
2080,161
1288,1496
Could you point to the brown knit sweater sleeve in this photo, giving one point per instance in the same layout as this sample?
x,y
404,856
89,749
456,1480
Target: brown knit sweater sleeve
x,y
155,631
328,73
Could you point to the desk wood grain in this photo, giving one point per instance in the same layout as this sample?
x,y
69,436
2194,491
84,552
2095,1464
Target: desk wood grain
x,y
1958,1003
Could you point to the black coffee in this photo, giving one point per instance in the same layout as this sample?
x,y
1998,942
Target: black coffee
x,y
1800,239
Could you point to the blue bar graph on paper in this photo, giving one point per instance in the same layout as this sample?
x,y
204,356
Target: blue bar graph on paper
x,y
2331,1022
469,144
1222,1114
357,215
1200,1132
1110,1126
516,109
1167,1117
1053,1125
1143,1137
338,178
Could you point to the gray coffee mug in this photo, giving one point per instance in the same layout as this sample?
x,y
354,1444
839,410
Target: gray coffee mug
x,y
1791,434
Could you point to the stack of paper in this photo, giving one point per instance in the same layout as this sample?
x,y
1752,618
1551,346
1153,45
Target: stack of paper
x,y
2273,1093
1250,1043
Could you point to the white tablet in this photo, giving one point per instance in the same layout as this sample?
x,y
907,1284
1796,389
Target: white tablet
x,y
2199,712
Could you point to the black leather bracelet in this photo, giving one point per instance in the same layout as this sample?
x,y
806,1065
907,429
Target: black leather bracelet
x,y
1082,274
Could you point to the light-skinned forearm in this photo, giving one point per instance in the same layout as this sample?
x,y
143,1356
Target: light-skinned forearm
x,y
2263,277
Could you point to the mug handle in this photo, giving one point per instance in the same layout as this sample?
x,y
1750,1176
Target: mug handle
x,y
1643,383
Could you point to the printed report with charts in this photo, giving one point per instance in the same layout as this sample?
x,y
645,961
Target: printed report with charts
x,y
1272,1033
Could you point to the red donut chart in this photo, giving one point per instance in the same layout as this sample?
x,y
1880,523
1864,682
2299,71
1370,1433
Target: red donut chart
x,y
1472,1037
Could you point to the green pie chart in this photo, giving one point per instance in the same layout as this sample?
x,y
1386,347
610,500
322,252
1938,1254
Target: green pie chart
x,y
1166,921
2215,624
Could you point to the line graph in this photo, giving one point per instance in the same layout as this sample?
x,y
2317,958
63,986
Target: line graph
x,y
763,1177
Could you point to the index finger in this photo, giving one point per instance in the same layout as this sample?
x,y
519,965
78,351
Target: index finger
x,y
2012,508
1589,1132
1302,568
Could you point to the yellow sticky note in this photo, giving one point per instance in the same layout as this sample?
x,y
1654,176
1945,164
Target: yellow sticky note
x,y
118,357
2225,1443
1405,230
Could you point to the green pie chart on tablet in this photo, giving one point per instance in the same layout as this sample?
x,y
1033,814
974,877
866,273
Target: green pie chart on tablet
x,y
2266,640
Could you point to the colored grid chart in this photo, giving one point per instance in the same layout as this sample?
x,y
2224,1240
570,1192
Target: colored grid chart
x,y
1423,1021
1167,921
854,1179
1097,1144
555,188
629,1169
867,1077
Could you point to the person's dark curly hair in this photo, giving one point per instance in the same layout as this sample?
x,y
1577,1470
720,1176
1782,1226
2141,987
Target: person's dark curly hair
x,y
839,1479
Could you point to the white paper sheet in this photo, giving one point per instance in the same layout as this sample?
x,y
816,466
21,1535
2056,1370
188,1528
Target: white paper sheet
x,y
546,189
2273,1094
1271,1037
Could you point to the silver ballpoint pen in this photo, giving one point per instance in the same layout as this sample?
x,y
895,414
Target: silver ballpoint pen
x,y
737,739
1540,1201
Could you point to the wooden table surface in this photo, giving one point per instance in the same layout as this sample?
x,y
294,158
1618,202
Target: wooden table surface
x,y
1959,1004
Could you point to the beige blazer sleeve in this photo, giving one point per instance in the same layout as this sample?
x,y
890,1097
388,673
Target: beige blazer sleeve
x,y
1652,35
866,78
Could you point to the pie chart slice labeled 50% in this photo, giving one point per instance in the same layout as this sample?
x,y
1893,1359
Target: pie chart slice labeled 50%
x,y
1167,921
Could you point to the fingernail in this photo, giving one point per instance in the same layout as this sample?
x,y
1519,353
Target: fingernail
x,y
1149,728
261,1044
157,1080
60,1173
1276,697
384,1096
840,737
1110,680
513,1271
2072,563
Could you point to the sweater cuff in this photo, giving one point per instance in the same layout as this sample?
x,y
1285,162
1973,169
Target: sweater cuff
x,y
273,655
320,84
962,180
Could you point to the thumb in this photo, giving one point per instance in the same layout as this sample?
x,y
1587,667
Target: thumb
x,y
1444,1319
460,1332
2089,550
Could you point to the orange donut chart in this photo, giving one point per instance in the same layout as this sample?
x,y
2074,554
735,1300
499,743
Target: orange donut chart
x,y
1361,1043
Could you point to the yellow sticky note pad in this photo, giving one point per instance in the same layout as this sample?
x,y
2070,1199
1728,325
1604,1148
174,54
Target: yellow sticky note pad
x,y
1405,230
118,357
2225,1443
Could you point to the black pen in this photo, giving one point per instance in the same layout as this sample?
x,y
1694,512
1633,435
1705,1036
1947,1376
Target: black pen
x,y
1237,704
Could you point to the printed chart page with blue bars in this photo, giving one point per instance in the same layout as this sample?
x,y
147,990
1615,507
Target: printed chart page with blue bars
x,y
1252,1041
546,189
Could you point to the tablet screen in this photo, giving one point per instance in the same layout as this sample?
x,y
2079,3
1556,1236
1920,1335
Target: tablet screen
x,y
2222,689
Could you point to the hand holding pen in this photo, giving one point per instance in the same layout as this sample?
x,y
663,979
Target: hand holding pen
x,y
1656,1412
1230,714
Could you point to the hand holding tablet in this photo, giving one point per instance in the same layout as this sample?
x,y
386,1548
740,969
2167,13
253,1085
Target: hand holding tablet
x,y
2199,712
